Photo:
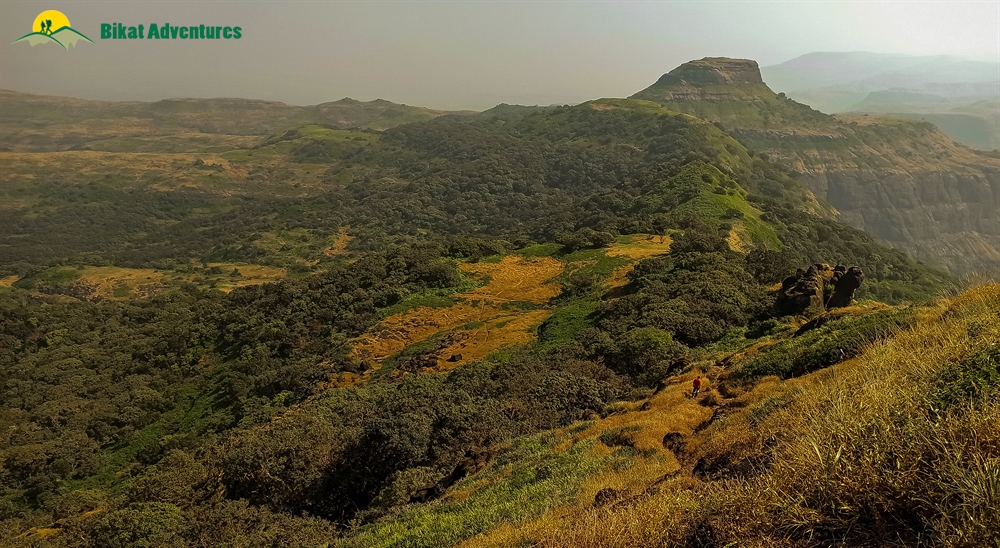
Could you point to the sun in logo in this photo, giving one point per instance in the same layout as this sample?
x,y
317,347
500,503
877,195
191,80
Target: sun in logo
x,y
53,26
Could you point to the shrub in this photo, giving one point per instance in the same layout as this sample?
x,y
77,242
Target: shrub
x,y
142,525
817,349
977,376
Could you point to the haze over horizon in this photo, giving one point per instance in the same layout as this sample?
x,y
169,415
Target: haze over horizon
x,y
470,55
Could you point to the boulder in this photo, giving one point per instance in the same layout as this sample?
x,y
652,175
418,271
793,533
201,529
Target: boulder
x,y
473,462
844,287
807,293
674,442
814,290
606,496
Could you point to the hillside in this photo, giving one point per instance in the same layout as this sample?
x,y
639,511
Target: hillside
x,y
39,123
904,182
895,446
412,335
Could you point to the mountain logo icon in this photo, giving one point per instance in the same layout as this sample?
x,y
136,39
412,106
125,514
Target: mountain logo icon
x,y
52,26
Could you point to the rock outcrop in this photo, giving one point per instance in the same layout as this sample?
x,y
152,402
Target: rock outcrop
x,y
473,462
714,70
844,286
818,288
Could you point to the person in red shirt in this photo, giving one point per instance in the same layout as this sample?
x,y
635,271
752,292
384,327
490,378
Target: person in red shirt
x,y
697,387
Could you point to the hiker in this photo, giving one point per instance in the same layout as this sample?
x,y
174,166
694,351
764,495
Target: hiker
x,y
697,387
840,355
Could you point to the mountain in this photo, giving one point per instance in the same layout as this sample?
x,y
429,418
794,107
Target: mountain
x,y
957,95
728,91
903,181
39,123
822,69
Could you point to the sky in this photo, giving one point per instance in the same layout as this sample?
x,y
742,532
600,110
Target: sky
x,y
459,54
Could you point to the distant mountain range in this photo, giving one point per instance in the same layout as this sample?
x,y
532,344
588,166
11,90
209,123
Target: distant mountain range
x,y
40,123
960,96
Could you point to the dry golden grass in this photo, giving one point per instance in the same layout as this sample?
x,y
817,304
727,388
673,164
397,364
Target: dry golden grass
x,y
672,410
738,239
395,333
8,281
339,243
495,334
516,278
140,282
250,274
512,279
40,532
850,455
641,246
619,278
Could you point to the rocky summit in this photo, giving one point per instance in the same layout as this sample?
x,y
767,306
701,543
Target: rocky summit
x,y
714,70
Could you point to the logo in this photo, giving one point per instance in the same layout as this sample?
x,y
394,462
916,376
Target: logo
x,y
53,26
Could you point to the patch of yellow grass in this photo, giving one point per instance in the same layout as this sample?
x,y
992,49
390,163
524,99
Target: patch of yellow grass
x,y
8,281
250,274
141,282
738,239
619,277
512,279
670,411
516,278
496,334
339,243
641,246
40,532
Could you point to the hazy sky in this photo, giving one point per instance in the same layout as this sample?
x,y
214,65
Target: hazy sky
x,y
460,54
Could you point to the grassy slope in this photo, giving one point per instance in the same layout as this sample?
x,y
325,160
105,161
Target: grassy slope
x,y
896,444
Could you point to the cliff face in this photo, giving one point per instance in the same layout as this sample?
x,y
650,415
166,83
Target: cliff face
x,y
904,182
946,216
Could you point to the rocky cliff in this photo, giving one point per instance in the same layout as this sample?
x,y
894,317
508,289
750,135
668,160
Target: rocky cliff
x,y
903,181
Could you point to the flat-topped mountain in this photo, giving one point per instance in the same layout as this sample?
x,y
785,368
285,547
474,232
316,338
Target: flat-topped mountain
x,y
903,181
729,91
714,70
